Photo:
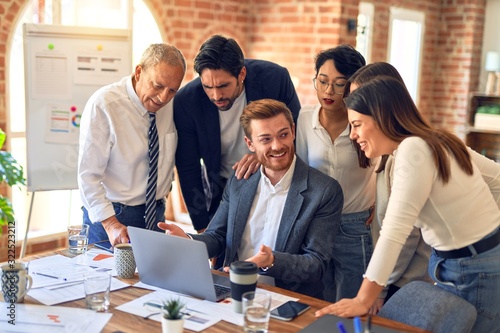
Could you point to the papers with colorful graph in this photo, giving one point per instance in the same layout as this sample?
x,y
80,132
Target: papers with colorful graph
x,y
51,319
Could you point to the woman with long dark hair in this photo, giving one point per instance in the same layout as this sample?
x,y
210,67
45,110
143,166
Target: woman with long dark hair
x,y
437,188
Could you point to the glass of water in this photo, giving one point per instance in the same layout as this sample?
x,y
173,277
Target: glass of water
x,y
256,307
78,238
97,286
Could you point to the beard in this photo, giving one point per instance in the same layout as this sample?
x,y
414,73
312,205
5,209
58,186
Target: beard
x,y
226,107
230,101
283,165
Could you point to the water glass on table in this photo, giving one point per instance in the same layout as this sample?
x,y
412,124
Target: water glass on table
x,y
78,238
256,311
97,286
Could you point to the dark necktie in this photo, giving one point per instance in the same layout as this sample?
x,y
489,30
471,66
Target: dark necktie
x,y
150,216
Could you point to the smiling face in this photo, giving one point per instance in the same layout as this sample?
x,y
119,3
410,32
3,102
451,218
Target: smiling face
x,y
157,85
272,142
367,134
221,87
331,98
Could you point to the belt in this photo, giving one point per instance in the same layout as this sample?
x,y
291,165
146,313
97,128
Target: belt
x,y
480,246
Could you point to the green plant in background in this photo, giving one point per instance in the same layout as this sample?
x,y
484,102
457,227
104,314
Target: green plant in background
x,y
11,172
171,309
489,109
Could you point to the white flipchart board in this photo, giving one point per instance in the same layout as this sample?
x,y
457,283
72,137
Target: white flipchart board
x,y
64,66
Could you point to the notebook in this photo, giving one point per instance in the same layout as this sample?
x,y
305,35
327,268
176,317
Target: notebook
x,y
328,324
176,264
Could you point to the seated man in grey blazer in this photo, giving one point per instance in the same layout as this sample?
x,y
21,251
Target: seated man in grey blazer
x,y
282,218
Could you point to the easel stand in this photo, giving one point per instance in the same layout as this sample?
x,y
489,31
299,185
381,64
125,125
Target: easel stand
x,y
28,222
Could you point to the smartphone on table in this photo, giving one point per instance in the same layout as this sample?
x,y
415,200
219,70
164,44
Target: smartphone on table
x,y
289,310
105,245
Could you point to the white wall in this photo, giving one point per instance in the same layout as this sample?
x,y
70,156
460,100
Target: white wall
x,y
491,38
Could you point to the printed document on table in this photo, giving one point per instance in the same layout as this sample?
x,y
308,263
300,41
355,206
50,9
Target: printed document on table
x,y
194,320
97,259
67,292
29,318
54,270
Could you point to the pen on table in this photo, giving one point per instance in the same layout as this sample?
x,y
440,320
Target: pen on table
x,y
357,325
50,276
368,327
341,327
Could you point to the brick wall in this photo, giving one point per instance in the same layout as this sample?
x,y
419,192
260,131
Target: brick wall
x,y
458,55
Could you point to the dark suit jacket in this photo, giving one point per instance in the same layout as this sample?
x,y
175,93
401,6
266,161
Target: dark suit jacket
x,y
304,244
198,128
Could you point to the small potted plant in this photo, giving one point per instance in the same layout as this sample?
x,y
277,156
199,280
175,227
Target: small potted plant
x,y
172,320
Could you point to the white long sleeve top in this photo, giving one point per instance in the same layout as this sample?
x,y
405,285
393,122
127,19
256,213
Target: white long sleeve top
x,y
451,215
113,158
337,159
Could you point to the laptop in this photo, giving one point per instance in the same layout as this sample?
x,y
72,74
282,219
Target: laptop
x,y
176,264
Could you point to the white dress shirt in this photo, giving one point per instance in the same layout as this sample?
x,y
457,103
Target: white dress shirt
x,y
113,158
265,215
337,159
451,215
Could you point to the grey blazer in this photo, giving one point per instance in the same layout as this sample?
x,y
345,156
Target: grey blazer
x,y
304,243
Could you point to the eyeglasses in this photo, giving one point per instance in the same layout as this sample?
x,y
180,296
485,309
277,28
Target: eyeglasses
x,y
338,85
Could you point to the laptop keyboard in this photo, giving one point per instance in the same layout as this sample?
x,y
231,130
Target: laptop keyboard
x,y
221,290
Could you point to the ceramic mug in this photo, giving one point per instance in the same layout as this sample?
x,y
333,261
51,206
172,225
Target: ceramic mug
x,y
124,261
15,282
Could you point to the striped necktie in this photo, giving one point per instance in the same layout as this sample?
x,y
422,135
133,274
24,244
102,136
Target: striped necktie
x,y
153,148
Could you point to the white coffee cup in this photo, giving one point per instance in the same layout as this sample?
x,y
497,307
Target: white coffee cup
x,y
16,282
243,277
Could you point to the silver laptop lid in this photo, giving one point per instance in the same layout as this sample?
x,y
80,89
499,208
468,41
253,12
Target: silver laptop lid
x,y
173,263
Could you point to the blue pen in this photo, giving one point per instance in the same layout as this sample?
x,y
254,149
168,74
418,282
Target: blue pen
x,y
357,325
341,327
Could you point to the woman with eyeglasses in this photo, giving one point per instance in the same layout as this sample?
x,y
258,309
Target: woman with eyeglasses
x,y
323,142
437,187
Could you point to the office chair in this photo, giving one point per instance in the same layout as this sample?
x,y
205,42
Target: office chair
x,y
424,305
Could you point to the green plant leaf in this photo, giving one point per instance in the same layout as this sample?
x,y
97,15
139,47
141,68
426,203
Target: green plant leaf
x,y
2,138
11,172
171,309
6,211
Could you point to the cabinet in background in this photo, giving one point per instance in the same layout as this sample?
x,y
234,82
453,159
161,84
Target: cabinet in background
x,y
483,140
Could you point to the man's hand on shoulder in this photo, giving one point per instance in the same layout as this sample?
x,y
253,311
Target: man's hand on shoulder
x,y
117,232
247,166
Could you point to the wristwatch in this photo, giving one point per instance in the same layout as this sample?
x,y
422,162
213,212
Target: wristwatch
x,y
264,269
